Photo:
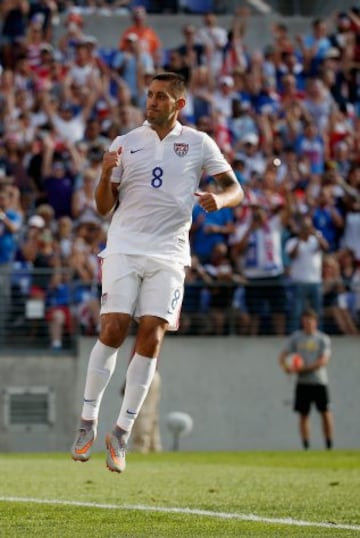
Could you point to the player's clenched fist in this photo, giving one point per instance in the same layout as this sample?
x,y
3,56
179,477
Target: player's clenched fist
x,y
111,159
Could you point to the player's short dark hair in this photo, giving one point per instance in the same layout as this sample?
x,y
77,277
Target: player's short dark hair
x,y
177,82
309,313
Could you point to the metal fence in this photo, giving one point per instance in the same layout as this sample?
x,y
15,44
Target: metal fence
x,y
52,317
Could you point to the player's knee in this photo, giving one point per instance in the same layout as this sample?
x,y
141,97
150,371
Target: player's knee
x,y
149,340
114,329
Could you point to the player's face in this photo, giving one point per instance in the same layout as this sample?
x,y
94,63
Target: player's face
x,y
162,106
309,324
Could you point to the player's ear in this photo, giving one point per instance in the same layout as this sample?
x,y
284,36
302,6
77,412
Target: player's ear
x,y
180,103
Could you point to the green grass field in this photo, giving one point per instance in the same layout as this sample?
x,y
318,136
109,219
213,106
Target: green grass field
x,y
265,494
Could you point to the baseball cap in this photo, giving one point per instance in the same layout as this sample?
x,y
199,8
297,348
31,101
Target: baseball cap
x,y
227,80
46,47
250,138
36,221
333,52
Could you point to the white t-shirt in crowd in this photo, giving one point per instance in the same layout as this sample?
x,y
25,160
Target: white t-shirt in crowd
x,y
307,266
71,130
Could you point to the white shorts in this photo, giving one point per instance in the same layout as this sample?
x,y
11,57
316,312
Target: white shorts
x,y
142,286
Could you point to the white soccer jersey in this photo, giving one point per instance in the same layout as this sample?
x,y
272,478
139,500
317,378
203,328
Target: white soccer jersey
x,y
157,180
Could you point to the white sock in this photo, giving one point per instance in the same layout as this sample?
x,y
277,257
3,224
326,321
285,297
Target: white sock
x,y
101,367
139,376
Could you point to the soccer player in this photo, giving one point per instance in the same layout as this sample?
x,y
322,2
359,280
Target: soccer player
x,y
149,181
314,347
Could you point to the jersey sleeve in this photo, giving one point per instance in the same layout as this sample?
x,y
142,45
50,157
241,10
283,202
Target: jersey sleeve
x,y
117,172
214,161
326,346
290,344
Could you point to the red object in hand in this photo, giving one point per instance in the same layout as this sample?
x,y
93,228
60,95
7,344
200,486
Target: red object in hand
x,y
295,362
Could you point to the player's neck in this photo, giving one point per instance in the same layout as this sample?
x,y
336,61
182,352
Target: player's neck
x,y
163,130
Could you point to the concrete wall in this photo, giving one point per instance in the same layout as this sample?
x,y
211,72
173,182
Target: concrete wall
x,y
232,387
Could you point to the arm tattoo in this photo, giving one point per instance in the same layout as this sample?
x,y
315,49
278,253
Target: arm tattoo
x,y
226,179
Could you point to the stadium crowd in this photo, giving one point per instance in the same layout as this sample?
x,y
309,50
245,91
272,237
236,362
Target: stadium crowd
x,y
286,117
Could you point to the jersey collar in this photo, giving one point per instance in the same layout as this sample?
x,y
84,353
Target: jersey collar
x,y
176,131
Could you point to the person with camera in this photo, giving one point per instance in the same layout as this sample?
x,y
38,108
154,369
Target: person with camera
x,y
256,247
305,251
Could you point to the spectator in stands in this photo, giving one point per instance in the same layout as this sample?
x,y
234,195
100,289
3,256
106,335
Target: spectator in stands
x,y
351,235
290,94
235,54
38,251
10,223
190,50
58,307
64,237
319,104
314,46
282,40
83,72
336,308
289,64
131,62
223,97
58,181
88,241
47,213
251,154
48,12
34,40
175,63
348,271
68,124
256,247
93,135
14,18
86,307
209,229
200,91
221,291
213,38
242,122
14,152
149,40
83,202
327,219
305,251
311,144
74,32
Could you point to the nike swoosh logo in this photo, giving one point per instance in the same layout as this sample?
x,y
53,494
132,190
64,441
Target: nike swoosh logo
x,y
135,150
89,401
130,412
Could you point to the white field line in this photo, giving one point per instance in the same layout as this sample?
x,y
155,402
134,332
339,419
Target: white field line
x,y
190,511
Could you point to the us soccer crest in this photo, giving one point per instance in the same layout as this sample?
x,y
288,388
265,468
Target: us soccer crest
x,y
181,149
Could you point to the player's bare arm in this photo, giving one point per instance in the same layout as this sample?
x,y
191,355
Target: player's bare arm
x,y
106,192
230,195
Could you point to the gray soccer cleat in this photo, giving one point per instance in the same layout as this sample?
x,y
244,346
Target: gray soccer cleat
x,y
81,449
116,454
